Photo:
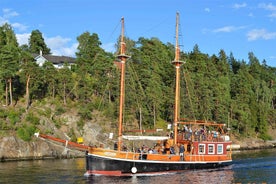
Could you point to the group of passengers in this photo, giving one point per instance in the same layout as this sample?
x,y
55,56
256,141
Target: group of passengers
x,y
198,134
166,148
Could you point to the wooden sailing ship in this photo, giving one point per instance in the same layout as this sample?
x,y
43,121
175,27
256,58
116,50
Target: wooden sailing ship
x,y
195,146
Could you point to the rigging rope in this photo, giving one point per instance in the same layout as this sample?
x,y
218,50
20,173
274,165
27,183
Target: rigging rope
x,y
188,91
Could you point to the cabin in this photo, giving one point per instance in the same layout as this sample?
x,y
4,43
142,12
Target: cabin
x,y
58,61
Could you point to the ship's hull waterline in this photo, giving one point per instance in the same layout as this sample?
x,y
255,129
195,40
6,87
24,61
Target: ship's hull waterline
x,y
101,165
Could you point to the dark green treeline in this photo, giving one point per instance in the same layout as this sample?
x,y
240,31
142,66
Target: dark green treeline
x,y
239,93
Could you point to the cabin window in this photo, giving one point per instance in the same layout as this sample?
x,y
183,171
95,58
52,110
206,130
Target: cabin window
x,y
211,149
220,149
201,149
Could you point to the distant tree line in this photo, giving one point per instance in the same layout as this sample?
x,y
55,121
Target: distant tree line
x,y
218,87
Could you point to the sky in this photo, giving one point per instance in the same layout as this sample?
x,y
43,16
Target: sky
x,y
237,27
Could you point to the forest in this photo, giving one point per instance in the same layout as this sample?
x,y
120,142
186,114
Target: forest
x,y
220,88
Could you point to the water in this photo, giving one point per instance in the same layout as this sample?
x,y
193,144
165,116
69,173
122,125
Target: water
x,y
248,167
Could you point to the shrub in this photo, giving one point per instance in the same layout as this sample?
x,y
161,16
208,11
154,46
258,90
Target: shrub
x,y
265,137
26,132
85,112
80,124
60,110
32,119
3,113
14,117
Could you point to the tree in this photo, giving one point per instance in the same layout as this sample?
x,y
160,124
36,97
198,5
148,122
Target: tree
x,y
9,59
37,43
50,78
151,63
93,66
29,74
234,64
65,82
221,88
202,76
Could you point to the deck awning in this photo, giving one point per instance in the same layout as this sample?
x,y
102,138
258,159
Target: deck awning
x,y
152,138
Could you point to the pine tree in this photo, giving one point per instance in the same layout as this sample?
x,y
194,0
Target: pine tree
x,y
37,43
9,59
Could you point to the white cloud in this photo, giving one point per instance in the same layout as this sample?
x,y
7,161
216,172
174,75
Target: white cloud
x,y
61,46
23,38
224,29
273,15
66,51
8,13
238,6
56,42
256,34
251,15
19,26
207,9
228,29
272,57
2,21
269,6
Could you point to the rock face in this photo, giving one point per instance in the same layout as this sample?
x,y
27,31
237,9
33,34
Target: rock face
x,y
253,143
13,148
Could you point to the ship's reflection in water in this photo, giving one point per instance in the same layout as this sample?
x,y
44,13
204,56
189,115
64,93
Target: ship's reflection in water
x,y
209,176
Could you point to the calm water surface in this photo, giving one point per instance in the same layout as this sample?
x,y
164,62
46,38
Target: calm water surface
x,y
248,167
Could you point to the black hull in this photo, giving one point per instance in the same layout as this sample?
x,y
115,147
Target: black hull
x,y
96,165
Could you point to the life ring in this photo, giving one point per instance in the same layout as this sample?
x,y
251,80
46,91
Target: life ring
x,y
134,170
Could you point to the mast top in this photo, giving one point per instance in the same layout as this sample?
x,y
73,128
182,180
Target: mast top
x,y
176,60
122,55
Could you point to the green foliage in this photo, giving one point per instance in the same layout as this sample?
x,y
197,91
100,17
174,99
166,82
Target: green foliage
x,y
26,132
37,43
72,135
265,137
161,124
47,112
85,111
60,110
3,125
13,117
80,123
3,113
58,122
109,110
32,118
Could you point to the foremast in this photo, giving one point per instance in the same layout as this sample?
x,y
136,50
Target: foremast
x,y
122,58
177,63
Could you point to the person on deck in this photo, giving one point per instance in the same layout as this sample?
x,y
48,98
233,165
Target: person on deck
x,y
181,151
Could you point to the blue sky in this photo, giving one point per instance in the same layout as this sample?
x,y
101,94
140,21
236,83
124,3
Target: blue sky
x,y
234,26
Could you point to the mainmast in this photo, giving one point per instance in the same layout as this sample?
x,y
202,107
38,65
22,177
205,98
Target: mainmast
x,y
122,57
177,63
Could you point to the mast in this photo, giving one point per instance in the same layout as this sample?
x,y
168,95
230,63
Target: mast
x,y
177,63
122,57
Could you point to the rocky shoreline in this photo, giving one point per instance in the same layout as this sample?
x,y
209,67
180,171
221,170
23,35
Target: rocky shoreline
x,y
253,143
15,149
